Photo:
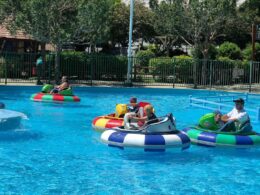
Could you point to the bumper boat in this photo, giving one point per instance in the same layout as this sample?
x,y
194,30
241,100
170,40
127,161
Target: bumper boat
x,y
226,136
10,119
153,137
116,119
63,96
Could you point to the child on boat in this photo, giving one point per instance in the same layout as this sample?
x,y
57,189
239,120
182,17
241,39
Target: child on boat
x,y
133,106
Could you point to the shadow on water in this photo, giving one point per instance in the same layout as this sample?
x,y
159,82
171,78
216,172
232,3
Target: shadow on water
x,y
194,154
168,157
19,135
63,104
8,98
245,153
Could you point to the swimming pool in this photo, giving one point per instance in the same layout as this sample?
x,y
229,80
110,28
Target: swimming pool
x,y
57,152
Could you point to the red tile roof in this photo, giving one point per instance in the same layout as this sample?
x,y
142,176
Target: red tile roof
x,y
4,33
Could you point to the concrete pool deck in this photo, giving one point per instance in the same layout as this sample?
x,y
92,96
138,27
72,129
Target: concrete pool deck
x,y
255,88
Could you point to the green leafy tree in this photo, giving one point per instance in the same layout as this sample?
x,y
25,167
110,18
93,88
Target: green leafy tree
x,y
198,23
142,26
93,20
119,24
153,4
48,21
250,10
168,23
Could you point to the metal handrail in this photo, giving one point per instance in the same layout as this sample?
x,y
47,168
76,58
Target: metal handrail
x,y
205,104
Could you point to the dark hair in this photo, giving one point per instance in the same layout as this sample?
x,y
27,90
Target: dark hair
x,y
133,100
239,100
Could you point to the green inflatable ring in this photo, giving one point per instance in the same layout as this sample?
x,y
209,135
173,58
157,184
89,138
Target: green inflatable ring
x,y
47,88
225,139
207,121
66,92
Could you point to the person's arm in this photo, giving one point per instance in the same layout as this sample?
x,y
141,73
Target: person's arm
x,y
63,86
139,118
227,117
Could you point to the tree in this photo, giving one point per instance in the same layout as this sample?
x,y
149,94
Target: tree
x,y
48,21
142,26
93,17
197,23
250,11
119,24
167,24
153,4
206,20
143,23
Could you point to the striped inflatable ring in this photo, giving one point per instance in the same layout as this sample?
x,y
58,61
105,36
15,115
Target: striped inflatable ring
x,y
43,97
149,142
204,138
102,123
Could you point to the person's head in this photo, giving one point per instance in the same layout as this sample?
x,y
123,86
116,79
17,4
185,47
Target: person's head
x,y
133,101
239,103
217,116
64,79
148,110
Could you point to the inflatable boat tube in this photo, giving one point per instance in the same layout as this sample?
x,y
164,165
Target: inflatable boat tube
x,y
224,139
153,137
10,119
44,97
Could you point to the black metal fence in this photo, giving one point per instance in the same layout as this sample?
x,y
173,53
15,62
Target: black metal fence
x,y
88,69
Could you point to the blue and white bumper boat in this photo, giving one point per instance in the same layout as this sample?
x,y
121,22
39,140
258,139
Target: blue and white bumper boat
x,y
153,137
10,119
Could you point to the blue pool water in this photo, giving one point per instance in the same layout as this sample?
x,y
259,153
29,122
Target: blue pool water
x,y
57,152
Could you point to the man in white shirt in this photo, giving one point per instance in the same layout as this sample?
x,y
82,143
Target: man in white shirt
x,y
238,114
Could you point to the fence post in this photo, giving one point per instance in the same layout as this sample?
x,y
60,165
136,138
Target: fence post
x,y
135,71
5,73
195,80
91,72
174,74
49,68
250,75
210,74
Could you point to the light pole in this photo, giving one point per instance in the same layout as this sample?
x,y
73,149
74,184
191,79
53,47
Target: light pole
x,y
129,51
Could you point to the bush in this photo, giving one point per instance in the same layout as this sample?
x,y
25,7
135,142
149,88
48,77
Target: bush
x,y
108,67
161,68
212,53
93,66
153,48
247,52
229,50
172,69
74,64
183,69
228,71
143,57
